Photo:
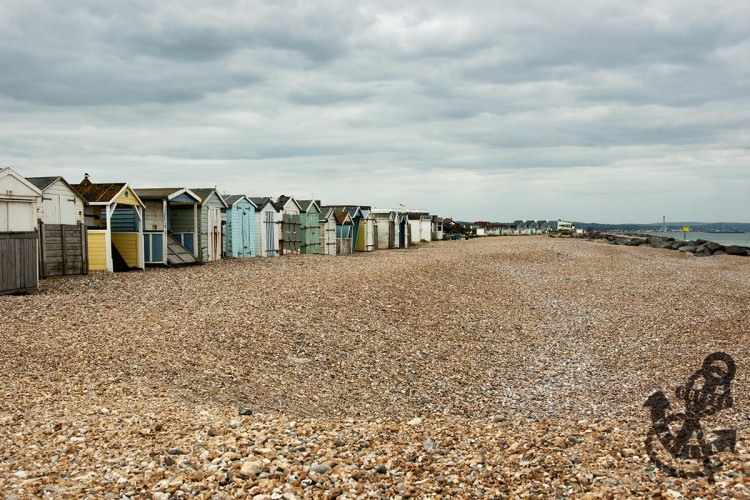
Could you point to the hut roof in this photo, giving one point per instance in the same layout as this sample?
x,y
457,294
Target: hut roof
x,y
164,193
234,198
205,193
99,192
43,182
305,205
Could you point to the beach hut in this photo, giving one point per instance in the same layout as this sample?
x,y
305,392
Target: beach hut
x,y
437,228
60,204
345,230
19,272
310,226
290,232
211,210
267,224
114,222
356,216
367,235
327,232
241,227
171,225
386,228
61,228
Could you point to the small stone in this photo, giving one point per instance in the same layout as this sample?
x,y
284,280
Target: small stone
x,y
381,469
246,410
169,461
428,445
321,469
339,442
176,451
575,439
251,468
415,421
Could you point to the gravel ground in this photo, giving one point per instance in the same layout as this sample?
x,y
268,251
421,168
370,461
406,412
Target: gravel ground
x,y
490,367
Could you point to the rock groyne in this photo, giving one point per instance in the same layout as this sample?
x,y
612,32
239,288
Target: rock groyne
x,y
699,247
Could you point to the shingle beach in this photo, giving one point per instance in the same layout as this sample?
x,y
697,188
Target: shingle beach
x,y
508,366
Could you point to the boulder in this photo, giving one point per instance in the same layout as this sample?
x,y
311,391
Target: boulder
x,y
687,249
702,251
735,250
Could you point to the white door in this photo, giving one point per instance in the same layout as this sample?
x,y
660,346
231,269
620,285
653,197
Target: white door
x,y
214,233
52,209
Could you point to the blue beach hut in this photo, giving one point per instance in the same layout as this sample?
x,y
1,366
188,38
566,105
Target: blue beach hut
x,y
241,227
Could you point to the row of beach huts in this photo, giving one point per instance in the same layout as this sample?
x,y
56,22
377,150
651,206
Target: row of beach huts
x,y
49,227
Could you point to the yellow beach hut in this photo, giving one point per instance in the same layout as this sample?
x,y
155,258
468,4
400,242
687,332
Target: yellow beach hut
x,y
114,222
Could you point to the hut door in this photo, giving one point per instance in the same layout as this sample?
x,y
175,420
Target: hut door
x,y
214,233
245,250
270,237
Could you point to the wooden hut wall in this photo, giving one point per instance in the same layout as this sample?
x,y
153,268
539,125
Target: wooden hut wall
x,y
327,236
210,228
18,262
60,205
241,230
267,225
310,227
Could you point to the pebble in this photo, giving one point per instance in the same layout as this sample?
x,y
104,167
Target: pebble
x,y
514,352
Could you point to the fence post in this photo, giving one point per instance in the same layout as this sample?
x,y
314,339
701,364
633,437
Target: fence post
x,y
84,248
42,249
64,256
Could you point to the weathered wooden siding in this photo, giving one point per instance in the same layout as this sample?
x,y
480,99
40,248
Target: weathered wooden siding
x,y
97,243
210,236
309,224
18,262
154,217
128,246
267,242
62,250
241,219
328,237
60,205
17,216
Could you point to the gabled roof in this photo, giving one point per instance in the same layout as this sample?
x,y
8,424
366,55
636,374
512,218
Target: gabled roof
x,y
283,200
205,193
261,201
326,213
343,218
165,193
306,204
101,194
33,191
352,210
232,199
44,182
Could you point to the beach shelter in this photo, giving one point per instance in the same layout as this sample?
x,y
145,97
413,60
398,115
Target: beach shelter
x,y
290,233
211,210
310,226
345,230
356,216
62,232
241,227
19,272
327,232
171,225
267,225
114,222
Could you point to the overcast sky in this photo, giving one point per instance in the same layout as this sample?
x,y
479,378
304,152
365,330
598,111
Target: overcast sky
x,y
600,111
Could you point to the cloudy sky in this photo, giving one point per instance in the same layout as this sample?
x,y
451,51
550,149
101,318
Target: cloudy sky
x,y
601,111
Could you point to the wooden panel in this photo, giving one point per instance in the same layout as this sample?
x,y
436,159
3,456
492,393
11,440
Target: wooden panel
x,y
127,198
97,251
18,262
128,246
62,250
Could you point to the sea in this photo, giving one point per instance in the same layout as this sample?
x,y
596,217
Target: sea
x,y
742,239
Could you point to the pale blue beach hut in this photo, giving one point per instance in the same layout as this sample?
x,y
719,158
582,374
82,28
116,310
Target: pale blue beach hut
x,y
241,227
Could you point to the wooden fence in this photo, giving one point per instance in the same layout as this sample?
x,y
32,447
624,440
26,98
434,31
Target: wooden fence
x,y
18,262
63,250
